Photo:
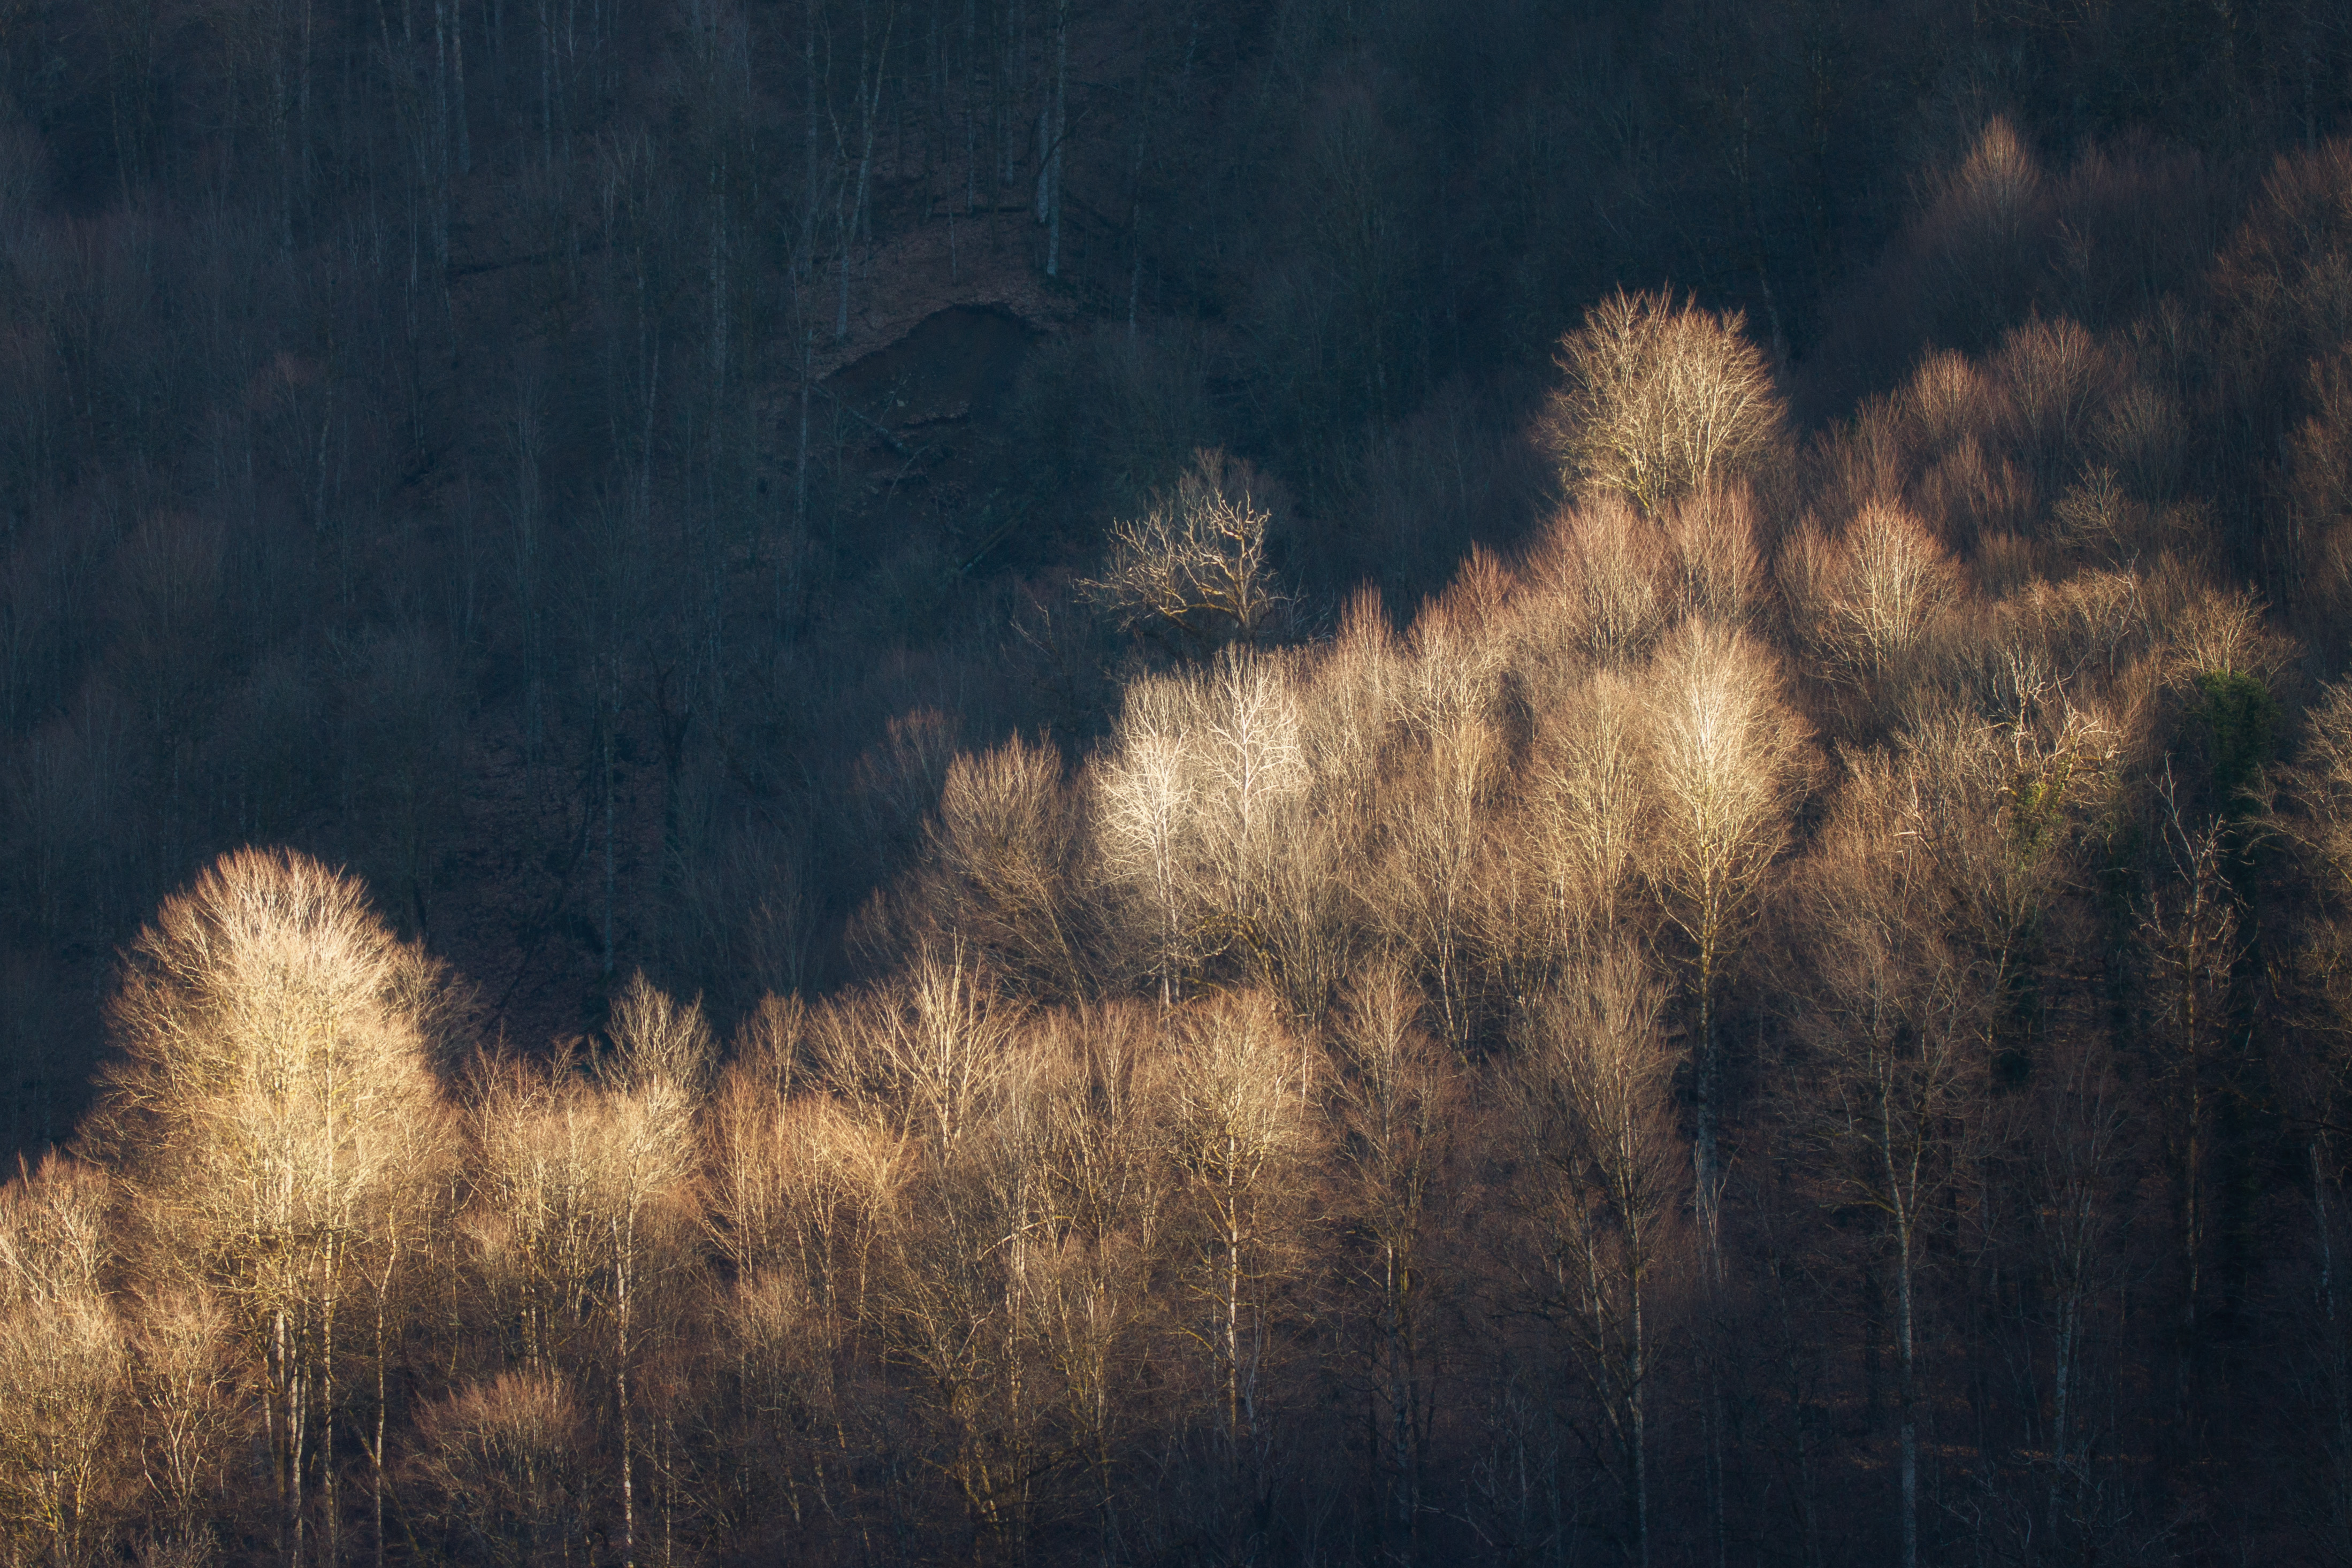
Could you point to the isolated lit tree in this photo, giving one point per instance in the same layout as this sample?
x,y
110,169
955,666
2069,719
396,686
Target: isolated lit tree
x,y
1661,399
1193,568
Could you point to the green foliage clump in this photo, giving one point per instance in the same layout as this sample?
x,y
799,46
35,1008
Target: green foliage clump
x,y
2236,719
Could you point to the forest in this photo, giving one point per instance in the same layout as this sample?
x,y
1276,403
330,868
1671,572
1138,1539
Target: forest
x,y
1175,781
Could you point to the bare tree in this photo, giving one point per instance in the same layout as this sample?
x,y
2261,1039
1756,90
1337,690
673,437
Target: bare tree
x,y
1727,763
801,1193
1349,700
62,1370
658,1045
1252,779
1109,1186
1397,1096
2074,1141
1661,400
1589,1086
1568,858
1896,1022
1870,603
2322,785
1443,781
1718,534
1201,799
583,1205
504,1470
1146,792
1003,851
1603,576
921,1053
1195,566
1236,1125
183,1378
959,1302
2194,930
275,1099
659,1065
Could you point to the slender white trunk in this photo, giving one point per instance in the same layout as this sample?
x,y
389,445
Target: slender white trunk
x,y
1233,1300
458,69
1638,1379
376,1457
620,1390
1910,1395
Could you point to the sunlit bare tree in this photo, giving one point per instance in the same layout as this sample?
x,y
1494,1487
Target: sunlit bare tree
x,y
1727,766
1194,568
274,1105
64,1481
1660,399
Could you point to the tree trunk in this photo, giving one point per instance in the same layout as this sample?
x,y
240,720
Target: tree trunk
x,y
1909,1394
1051,176
622,1251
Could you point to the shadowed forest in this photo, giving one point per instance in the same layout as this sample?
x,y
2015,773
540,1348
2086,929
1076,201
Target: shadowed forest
x,y
1038,781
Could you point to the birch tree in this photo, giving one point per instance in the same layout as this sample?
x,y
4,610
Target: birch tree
x,y
1897,1022
63,1366
1727,766
1590,1087
1660,399
1236,1124
1397,1096
273,1101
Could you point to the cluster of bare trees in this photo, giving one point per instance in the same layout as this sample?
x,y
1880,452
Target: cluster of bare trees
x,y
402,407
1766,1023
1789,1006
